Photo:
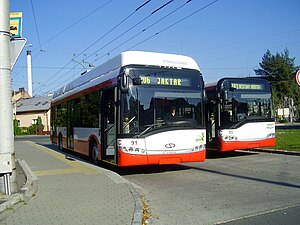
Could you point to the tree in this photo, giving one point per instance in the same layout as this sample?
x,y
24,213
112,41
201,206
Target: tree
x,y
36,128
280,70
17,129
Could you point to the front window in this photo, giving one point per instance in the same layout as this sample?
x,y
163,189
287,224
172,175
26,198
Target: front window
x,y
245,106
166,99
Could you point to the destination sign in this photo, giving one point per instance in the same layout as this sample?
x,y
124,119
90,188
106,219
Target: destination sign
x,y
165,81
247,86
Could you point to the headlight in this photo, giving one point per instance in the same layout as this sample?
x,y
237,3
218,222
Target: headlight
x,y
229,138
198,148
271,135
132,150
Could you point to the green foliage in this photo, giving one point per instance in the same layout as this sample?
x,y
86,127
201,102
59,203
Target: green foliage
x,y
17,129
280,69
31,130
288,140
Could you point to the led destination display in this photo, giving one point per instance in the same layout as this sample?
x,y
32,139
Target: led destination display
x,y
247,86
165,81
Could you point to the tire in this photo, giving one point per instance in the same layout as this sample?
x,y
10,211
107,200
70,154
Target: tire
x,y
94,152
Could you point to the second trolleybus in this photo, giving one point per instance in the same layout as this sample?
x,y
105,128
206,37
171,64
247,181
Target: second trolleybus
x,y
239,114
123,111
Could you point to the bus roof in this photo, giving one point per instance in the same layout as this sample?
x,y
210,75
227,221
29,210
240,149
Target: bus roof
x,y
157,59
111,69
221,81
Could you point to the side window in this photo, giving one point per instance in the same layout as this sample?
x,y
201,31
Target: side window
x,y
84,106
90,108
64,114
77,113
94,109
58,123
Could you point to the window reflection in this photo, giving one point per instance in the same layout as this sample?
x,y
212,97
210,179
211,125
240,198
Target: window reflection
x,y
148,107
246,106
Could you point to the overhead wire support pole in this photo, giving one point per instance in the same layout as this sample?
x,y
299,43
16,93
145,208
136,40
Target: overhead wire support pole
x,y
6,109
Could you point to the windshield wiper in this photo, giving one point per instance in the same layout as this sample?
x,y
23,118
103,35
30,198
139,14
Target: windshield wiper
x,y
129,122
150,126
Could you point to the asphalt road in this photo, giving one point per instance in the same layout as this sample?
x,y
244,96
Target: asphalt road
x,y
235,188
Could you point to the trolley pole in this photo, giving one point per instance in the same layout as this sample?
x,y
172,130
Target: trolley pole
x,y
6,112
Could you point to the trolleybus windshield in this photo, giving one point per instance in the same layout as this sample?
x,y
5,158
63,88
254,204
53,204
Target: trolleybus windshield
x,y
149,106
246,102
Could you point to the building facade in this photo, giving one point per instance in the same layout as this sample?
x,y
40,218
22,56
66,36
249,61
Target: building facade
x,y
28,111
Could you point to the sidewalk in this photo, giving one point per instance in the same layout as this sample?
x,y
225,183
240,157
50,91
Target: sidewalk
x,y
71,192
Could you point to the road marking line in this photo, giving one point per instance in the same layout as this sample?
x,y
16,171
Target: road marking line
x,y
76,167
56,172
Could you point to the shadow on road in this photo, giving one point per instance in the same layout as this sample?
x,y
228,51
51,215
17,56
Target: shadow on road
x,y
212,154
257,179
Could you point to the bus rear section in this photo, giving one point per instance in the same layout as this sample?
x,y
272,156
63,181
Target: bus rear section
x,y
239,114
139,108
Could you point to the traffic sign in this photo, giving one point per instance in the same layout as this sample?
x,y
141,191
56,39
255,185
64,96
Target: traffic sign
x,y
16,47
16,24
298,77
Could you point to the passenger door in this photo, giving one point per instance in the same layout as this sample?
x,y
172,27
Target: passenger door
x,y
108,125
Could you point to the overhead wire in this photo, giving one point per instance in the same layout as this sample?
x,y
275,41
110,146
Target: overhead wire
x,y
112,29
173,24
73,24
37,31
36,27
248,40
77,21
53,82
251,52
129,29
108,32
134,36
62,31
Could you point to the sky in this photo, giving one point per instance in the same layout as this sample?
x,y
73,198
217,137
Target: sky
x,y
227,38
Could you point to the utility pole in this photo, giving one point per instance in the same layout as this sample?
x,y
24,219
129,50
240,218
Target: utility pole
x,y
7,152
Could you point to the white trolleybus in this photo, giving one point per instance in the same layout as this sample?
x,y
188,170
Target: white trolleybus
x,y
137,108
239,114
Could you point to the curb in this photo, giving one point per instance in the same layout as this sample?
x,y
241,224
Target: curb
x,y
25,193
276,151
138,207
116,178
10,202
31,185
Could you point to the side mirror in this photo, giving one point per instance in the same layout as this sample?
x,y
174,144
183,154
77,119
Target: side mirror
x,y
124,82
225,95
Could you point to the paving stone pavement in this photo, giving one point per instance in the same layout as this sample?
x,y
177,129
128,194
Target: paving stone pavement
x,y
71,192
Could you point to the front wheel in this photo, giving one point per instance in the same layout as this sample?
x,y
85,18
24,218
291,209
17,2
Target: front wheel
x,y
94,152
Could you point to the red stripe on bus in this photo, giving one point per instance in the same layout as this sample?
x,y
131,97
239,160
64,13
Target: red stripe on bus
x,y
135,160
100,86
236,145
